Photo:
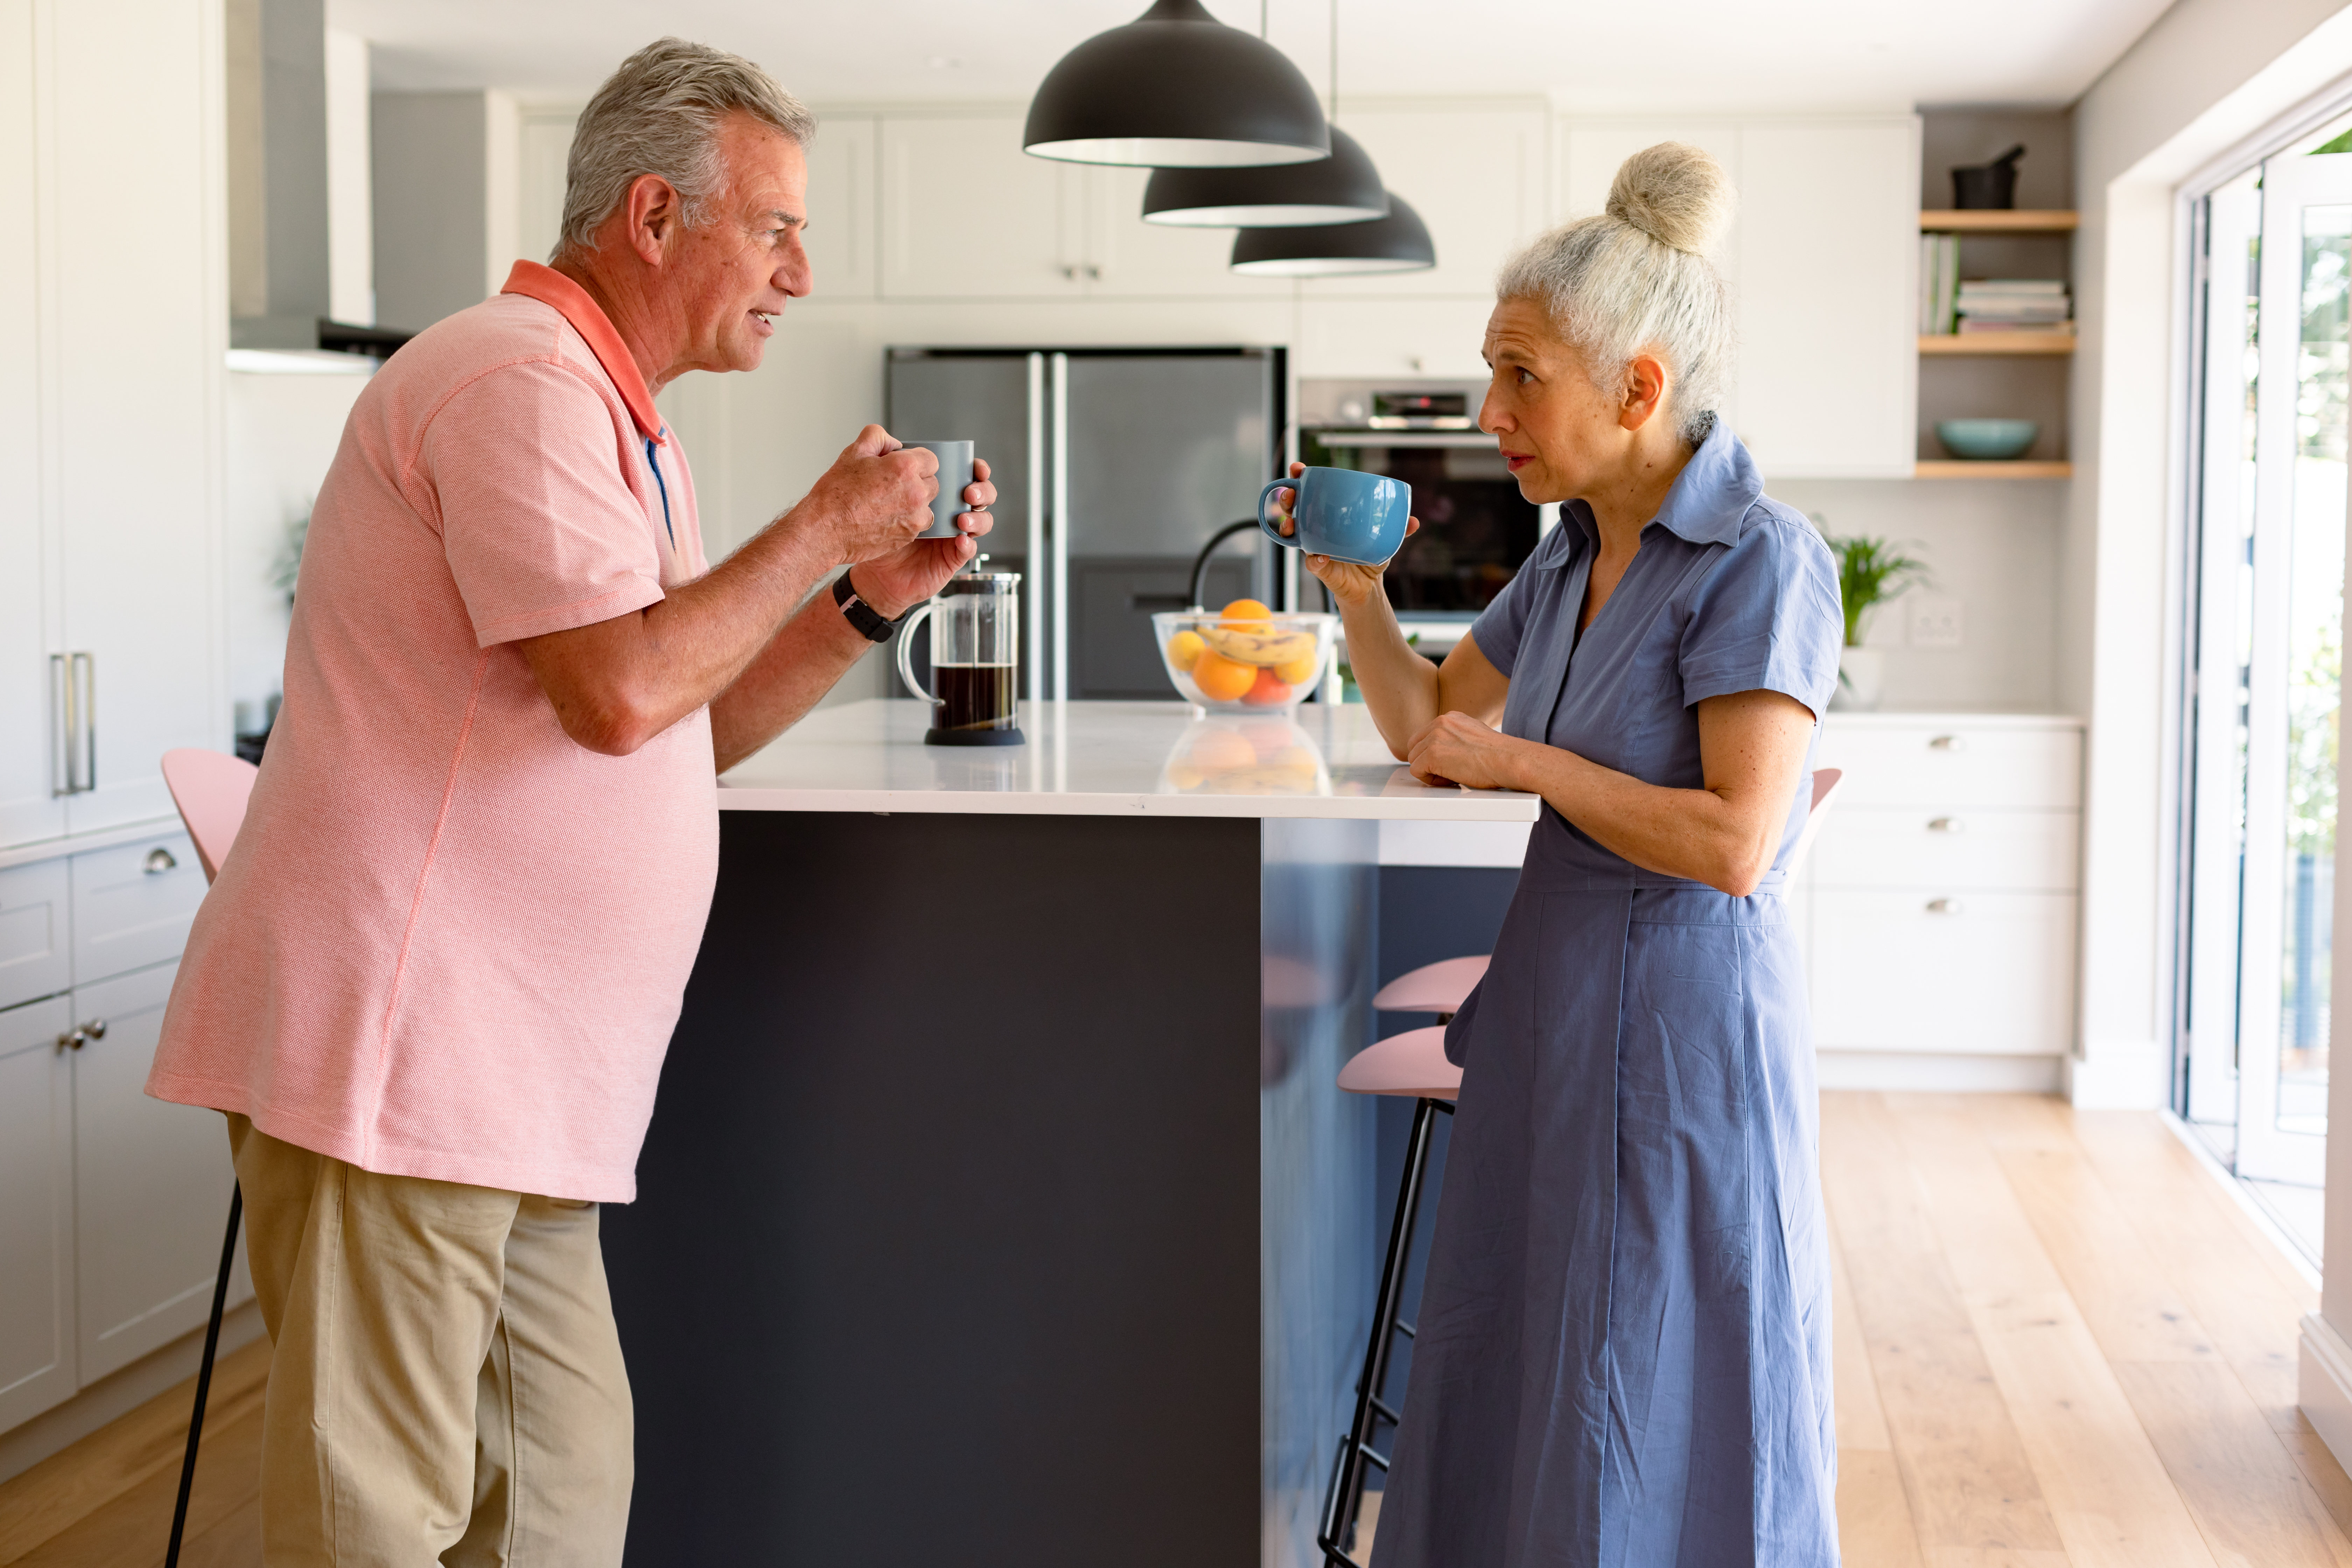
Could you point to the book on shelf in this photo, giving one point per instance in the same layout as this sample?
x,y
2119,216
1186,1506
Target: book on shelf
x,y
2014,299
1978,324
1939,282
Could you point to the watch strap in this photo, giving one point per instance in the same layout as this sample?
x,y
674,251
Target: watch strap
x,y
869,622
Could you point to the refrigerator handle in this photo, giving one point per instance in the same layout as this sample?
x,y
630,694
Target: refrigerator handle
x,y
1036,556
1060,527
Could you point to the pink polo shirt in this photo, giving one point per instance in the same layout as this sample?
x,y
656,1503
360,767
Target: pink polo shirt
x,y
450,942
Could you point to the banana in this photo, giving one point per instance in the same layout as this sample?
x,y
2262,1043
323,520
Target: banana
x,y
1264,648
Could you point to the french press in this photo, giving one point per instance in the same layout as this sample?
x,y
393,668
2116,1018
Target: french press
x,y
975,659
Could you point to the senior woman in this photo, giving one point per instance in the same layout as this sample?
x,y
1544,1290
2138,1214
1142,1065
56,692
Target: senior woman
x,y
1624,1347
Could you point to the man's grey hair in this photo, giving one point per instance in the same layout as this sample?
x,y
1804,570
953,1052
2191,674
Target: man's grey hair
x,y
660,114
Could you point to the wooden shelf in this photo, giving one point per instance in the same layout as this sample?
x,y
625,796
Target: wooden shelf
x,y
1953,221
1997,344
1946,468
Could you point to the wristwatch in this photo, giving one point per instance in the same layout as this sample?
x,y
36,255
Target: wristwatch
x,y
868,620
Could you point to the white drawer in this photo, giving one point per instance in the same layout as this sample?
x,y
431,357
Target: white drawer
x,y
1953,765
1990,972
1918,846
132,905
34,960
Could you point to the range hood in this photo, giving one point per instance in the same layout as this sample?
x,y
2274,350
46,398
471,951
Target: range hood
x,y
282,249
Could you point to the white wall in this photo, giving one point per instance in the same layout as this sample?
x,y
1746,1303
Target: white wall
x,y
1992,548
2207,75
282,431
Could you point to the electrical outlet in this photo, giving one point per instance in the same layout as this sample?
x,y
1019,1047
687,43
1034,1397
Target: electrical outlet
x,y
1933,620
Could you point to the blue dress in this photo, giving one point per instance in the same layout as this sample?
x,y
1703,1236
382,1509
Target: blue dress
x,y
1623,1348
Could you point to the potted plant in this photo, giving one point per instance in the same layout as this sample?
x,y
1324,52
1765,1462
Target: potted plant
x,y
1869,573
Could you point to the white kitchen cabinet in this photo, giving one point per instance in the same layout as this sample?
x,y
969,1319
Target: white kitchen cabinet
x,y
967,215
36,932
843,184
1940,901
1127,257
1477,176
1923,970
29,810
139,357
1823,261
150,1185
133,904
1402,337
36,1346
1827,296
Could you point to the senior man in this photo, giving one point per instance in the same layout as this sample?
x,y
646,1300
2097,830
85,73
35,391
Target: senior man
x,y
434,985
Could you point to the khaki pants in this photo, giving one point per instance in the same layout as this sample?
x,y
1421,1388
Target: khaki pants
x,y
445,1381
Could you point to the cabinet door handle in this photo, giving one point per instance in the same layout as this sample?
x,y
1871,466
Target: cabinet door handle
x,y
80,1034
95,1028
73,701
1094,273
1945,906
1948,743
1947,824
158,861
1070,274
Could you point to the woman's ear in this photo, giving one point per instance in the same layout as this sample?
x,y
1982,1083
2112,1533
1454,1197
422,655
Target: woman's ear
x,y
1646,381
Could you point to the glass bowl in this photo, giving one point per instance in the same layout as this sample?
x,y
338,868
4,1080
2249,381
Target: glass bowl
x,y
1244,665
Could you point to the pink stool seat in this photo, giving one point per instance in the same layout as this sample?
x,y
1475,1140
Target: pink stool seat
x,y
210,788
1411,1065
1440,987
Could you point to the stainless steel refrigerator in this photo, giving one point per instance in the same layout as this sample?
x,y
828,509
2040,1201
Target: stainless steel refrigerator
x,y
1113,467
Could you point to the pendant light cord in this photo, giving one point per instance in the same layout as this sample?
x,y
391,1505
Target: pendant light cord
x,y
1334,60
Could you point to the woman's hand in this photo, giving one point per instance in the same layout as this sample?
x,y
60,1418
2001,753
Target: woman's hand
x,y
1351,583
1454,748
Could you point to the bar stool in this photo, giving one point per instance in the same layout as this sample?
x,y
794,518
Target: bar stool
x,y
1414,1064
211,789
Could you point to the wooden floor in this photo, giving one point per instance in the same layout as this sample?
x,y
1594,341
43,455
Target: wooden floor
x,y
2059,1345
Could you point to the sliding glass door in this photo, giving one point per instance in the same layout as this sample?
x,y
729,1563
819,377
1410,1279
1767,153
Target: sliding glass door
x,y
2276,364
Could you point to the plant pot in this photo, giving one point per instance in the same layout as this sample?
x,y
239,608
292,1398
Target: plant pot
x,y
1861,680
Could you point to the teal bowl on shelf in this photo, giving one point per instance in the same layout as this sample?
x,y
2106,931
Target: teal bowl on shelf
x,y
1987,440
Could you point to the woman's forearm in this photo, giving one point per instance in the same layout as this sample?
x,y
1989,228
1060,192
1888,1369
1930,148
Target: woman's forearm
x,y
1692,833
1400,687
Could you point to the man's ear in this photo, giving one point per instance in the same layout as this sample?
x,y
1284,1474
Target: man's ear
x,y
654,218
1646,391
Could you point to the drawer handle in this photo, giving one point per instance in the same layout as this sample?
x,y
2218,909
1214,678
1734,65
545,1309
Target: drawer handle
x,y
1948,743
1947,824
82,1035
1945,906
159,861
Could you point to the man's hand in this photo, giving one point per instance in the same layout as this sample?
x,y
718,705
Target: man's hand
x,y
1454,748
1351,581
896,583
875,499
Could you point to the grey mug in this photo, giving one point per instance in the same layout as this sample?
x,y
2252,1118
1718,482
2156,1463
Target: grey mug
x,y
955,478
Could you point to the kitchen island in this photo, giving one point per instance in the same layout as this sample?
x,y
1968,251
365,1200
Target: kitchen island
x,y
999,1206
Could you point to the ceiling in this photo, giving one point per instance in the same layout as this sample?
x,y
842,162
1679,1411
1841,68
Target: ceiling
x,y
1815,55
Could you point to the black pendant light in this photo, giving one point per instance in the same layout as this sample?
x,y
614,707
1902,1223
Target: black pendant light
x,y
1343,188
1397,243
1176,89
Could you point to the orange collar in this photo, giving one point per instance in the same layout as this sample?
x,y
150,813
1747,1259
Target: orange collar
x,y
549,286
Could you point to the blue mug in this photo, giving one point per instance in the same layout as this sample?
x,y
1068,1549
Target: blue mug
x,y
1342,513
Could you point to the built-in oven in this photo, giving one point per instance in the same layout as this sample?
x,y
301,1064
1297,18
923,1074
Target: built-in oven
x,y
1476,530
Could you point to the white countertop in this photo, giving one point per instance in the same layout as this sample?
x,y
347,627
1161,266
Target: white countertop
x,y
1103,758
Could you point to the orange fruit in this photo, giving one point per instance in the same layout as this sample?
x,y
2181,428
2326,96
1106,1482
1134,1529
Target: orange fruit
x,y
1184,649
1245,614
1268,690
1221,679
1298,671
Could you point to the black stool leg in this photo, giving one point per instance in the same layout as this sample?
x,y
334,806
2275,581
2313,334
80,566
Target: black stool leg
x,y
1345,1499
204,1375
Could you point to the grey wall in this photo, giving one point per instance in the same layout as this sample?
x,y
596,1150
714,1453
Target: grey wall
x,y
2046,175
431,159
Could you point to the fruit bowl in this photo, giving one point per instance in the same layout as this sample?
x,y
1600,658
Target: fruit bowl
x,y
1244,659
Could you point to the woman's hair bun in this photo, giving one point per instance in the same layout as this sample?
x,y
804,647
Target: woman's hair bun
x,y
1677,194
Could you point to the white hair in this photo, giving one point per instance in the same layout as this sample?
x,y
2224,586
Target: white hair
x,y
660,114
1637,275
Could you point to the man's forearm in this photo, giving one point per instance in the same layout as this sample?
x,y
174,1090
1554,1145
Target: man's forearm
x,y
784,680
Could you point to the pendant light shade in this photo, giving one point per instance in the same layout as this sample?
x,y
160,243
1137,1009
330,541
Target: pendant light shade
x,y
1397,243
1343,188
1176,89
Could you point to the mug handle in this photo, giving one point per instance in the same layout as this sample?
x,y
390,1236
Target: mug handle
x,y
1265,525
907,648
